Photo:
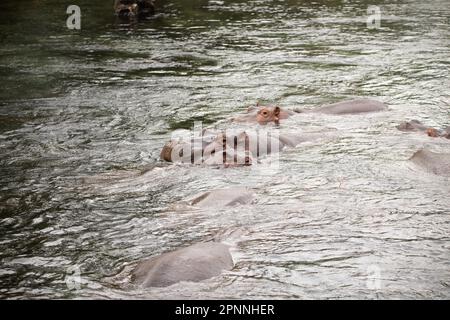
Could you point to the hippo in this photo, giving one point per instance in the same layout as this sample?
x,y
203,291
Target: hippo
x,y
436,163
181,151
267,114
417,126
225,147
256,143
134,8
263,115
349,107
229,158
190,152
446,133
194,263
223,198
232,147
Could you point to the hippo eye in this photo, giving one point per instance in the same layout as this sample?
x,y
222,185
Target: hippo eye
x,y
265,113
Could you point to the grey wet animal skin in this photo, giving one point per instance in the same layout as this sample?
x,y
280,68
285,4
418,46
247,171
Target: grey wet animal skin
x,y
447,133
223,197
267,114
294,139
224,148
436,163
233,147
263,115
350,107
182,151
413,125
195,263
186,152
417,126
258,143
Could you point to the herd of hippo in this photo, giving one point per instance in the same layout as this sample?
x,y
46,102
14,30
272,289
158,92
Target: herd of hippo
x,y
243,147
238,147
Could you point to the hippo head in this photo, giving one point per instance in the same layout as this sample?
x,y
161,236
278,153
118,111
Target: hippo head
x,y
229,159
177,151
133,8
409,125
126,8
228,150
166,152
404,126
263,114
432,132
266,115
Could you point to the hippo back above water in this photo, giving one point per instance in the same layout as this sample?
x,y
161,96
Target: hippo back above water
x,y
417,126
352,107
195,263
436,163
273,114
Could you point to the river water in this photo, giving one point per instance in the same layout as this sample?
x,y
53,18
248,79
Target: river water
x,y
84,114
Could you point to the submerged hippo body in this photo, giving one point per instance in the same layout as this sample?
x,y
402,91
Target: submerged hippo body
x,y
413,125
195,263
417,126
351,107
134,8
436,163
447,133
267,114
222,198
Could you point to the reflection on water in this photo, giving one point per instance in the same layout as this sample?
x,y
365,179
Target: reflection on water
x,y
84,114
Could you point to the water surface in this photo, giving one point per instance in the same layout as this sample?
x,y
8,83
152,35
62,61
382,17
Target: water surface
x,y
84,114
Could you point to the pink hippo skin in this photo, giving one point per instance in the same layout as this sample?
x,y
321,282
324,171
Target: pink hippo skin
x,y
263,115
417,126
273,114
436,163
349,107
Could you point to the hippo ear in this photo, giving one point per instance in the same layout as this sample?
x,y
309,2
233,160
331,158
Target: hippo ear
x,y
257,103
277,111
